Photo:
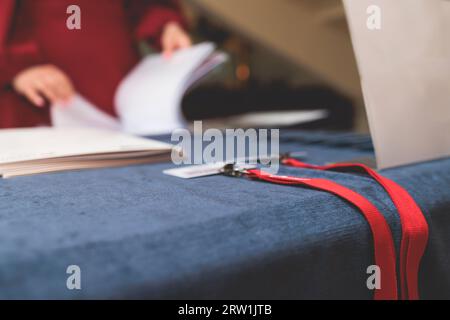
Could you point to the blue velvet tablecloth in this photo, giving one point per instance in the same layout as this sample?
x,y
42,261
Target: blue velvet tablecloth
x,y
137,233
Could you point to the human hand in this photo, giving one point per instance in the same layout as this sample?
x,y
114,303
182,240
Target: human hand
x,y
173,38
44,81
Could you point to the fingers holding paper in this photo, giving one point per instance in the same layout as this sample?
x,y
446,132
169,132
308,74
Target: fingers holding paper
x,y
44,82
174,38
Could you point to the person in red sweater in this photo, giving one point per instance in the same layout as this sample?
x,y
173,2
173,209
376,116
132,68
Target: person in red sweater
x,y
42,61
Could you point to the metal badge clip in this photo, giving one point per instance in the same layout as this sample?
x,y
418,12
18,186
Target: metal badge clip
x,y
235,170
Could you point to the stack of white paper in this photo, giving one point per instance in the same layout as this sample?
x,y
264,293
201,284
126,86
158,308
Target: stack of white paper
x,y
39,150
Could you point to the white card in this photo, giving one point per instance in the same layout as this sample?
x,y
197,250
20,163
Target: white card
x,y
203,170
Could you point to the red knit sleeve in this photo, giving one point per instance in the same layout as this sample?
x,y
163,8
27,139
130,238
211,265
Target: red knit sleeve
x,y
149,18
15,58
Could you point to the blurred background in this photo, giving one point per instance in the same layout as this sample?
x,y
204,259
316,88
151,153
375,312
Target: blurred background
x,y
286,57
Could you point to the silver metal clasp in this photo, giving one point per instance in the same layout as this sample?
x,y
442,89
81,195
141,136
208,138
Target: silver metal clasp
x,y
236,170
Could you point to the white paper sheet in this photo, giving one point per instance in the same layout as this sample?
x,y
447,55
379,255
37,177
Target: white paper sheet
x,y
148,101
405,72
276,119
80,113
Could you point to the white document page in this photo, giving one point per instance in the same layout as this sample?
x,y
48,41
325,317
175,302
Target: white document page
x,y
148,101
405,74
80,113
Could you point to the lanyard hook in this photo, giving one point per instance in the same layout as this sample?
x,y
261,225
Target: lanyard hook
x,y
234,170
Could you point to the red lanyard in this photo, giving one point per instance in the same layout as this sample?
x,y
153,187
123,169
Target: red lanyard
x,y
383,242
414,226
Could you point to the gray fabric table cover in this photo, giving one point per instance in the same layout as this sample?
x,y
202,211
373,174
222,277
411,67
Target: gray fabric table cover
x,y
137,233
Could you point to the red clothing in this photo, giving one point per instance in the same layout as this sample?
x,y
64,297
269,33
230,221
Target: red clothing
x,y
96,58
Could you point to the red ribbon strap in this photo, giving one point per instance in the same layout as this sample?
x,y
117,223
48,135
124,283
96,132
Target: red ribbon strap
x,y
414,226
383,242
